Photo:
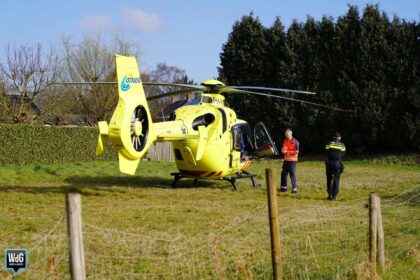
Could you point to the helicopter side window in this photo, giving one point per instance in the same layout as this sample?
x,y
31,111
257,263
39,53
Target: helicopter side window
x,y
178,154
264,144
207,99
237,138
223,120
261,139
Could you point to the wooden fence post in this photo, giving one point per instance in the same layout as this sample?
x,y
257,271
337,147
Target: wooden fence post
x,y
373,230
381,238
75,236
274,224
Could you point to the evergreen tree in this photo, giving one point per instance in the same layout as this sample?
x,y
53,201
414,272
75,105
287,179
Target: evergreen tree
x,y
243,61
365,63
277,74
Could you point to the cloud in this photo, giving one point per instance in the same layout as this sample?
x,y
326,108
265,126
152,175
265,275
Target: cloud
x,y
96,23
139,21
130,20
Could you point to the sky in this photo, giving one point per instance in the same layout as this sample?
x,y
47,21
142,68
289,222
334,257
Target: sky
x,y
185,33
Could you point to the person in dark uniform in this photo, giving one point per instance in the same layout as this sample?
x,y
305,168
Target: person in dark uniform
x,y
334,165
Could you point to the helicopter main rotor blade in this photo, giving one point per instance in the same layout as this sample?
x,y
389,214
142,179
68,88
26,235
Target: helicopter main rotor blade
x,y
86,83
272,89
189,88
232,90
182,91
195,87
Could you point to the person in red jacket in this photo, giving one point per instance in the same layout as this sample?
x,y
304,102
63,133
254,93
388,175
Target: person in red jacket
x,y
290,149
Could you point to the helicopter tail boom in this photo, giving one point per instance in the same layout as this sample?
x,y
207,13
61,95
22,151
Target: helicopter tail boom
x,y
171,131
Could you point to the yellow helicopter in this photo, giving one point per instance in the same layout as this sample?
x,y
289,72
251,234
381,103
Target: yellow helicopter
x,y
209,141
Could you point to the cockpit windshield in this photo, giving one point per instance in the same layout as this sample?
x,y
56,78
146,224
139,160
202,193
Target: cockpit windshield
x,y
195,101
199,98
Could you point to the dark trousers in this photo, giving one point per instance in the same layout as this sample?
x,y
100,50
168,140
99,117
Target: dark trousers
x,y
289,167
333,170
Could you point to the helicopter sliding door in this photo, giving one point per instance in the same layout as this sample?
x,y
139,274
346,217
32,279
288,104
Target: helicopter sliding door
x,y
263,141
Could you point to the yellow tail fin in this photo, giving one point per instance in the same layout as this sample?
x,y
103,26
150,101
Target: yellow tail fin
x,y
131,129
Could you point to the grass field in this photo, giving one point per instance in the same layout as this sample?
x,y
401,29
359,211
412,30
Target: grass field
x,y
136,230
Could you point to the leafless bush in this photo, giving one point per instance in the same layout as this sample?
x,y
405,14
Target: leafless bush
x,y
24,75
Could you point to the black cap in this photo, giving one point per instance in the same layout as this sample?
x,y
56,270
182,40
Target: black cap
x,y
337,135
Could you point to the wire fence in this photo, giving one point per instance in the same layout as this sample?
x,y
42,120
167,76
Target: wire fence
x,y
317,242
224,253
323,241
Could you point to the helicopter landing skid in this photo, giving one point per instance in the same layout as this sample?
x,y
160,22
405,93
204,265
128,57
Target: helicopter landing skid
x,y
177,176
244,174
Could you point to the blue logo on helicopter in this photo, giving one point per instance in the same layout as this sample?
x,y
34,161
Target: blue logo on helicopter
x,y
126,81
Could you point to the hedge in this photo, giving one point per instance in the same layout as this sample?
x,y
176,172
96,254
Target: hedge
x,y
27,144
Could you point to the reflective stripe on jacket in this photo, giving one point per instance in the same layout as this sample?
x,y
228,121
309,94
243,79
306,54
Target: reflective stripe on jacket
x,y
336,145
291,148
335,150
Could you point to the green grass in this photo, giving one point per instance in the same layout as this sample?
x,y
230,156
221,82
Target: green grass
x,y
132,227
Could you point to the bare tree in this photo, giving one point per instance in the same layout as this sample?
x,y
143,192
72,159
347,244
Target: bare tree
x,y
93,61
165,73
25,74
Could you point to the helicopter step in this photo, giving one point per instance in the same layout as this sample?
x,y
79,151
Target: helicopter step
x,y
239,175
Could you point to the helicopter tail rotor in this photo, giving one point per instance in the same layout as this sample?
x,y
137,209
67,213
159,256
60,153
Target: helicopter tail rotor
x,y
130,129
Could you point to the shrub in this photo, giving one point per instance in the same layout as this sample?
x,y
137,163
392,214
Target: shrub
x,y
26,144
